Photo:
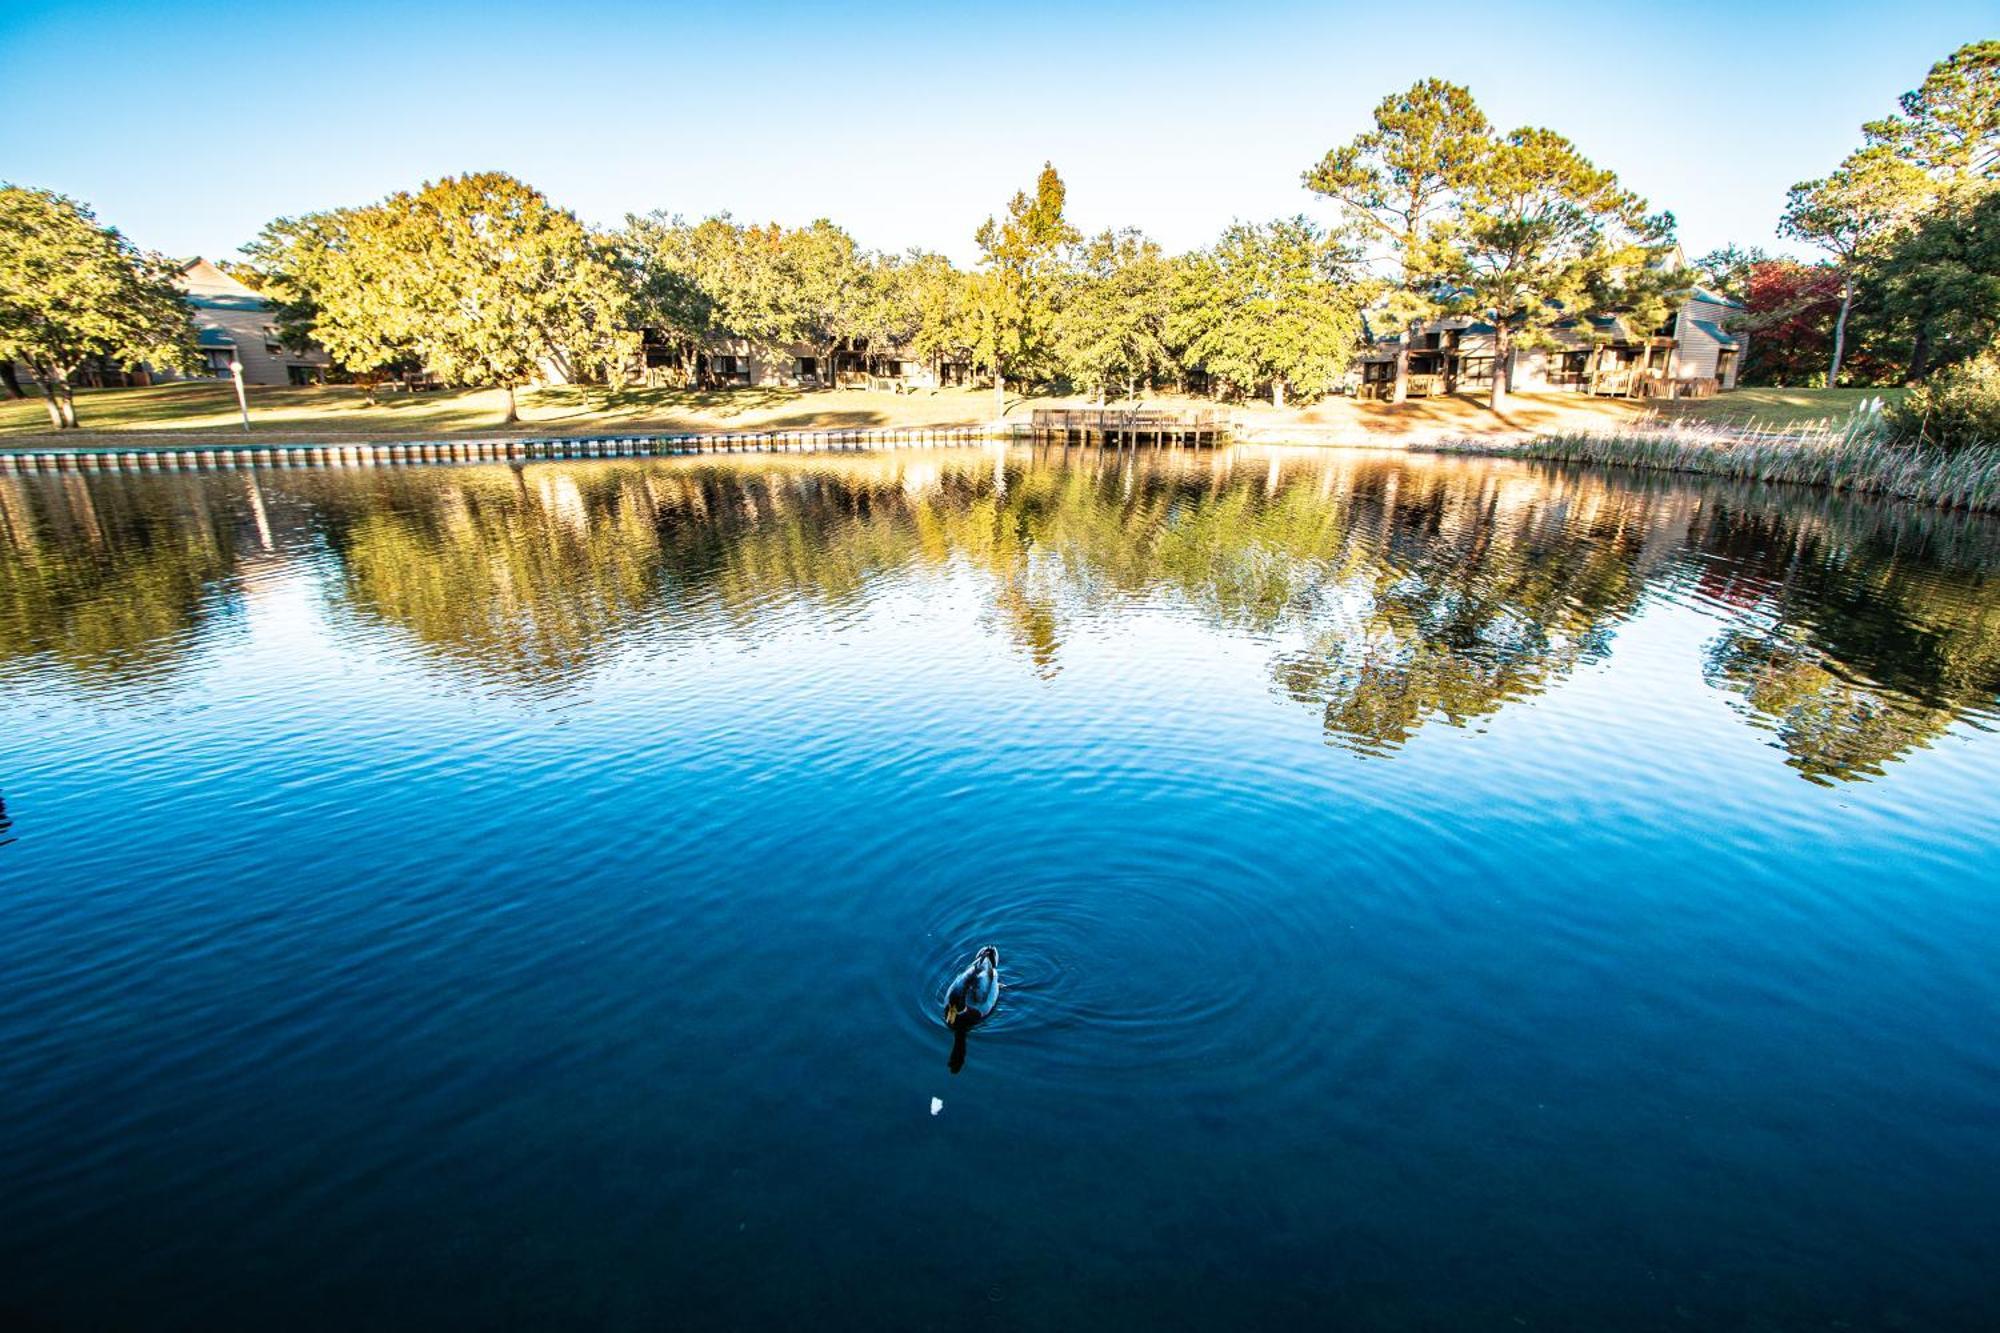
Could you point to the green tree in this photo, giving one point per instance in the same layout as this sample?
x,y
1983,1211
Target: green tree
x,y
325,272
942,299
1546,237
1396,186
485,282
1111,331
1731,269
828,289
1866,200
1949,127
671,268
1935,285
1944,139
71,290
1272,304
1013,302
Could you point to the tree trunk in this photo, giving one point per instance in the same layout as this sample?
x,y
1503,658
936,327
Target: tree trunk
x,y
1840,331
68,398
1278,391
55,407
1401,392
1503,354
513,408
999,391
1920,351
11,380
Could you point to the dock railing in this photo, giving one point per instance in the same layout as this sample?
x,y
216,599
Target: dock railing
x,y
1196,428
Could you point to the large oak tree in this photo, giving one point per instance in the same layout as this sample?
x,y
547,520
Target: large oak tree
x,y
72,291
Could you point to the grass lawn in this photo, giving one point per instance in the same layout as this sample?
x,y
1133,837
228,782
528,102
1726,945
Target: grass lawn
x,y
188,413
201,412
204,411
1777,409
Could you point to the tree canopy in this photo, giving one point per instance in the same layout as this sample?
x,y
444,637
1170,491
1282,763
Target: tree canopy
x,y
1396,186
72,290
1013,302
1435,215
1939,148
1547,238
1271,304
479,278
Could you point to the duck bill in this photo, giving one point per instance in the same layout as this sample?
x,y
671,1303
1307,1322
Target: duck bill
x,y
951,1015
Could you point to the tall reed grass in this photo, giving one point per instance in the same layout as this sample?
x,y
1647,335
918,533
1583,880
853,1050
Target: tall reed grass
x,y
1856,456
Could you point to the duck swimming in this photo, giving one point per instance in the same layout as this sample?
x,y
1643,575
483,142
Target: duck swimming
x,y
973,997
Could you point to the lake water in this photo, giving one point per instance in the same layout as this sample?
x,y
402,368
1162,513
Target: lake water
x,y
1432,894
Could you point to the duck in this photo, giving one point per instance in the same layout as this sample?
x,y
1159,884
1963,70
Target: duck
x,y
973,997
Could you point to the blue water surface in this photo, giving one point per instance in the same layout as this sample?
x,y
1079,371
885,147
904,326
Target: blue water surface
x,y
1432,894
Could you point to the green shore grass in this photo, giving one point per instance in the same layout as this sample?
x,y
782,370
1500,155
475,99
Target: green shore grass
x,y
1853,457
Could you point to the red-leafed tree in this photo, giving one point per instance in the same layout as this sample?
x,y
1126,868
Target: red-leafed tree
x,y
1793,307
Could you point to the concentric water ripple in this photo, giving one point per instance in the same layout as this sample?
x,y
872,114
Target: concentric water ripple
x,y
1430,893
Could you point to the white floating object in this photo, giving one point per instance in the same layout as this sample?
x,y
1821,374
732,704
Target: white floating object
x,y
937,1104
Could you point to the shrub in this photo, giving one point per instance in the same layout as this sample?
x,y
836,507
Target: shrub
x,y
1954,408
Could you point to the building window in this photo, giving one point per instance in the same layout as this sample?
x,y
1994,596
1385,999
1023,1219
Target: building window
x,y
808,367
1570,369
218,362
300,376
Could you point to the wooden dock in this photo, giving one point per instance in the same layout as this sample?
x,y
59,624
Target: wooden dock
x,y
212,457
1119,428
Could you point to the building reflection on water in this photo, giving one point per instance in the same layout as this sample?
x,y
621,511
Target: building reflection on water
x,y
1397,593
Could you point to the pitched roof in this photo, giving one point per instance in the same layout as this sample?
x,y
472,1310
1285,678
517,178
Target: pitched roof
x,y
1703,294
209,288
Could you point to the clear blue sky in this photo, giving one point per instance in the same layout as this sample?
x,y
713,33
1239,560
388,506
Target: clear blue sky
x,y
191,126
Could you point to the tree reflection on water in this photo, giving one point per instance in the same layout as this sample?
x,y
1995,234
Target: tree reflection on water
x,y
1396,593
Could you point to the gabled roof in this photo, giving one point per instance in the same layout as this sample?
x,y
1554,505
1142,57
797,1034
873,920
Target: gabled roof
x,y
209,288
1703,294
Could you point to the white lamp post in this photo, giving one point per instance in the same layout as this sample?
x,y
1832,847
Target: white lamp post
x,y
242,401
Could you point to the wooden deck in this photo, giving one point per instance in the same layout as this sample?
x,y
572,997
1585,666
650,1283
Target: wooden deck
x,y
1198,428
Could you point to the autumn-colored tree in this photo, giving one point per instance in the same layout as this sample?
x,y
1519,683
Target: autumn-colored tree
x,y
72,290
1790,312
1871,196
